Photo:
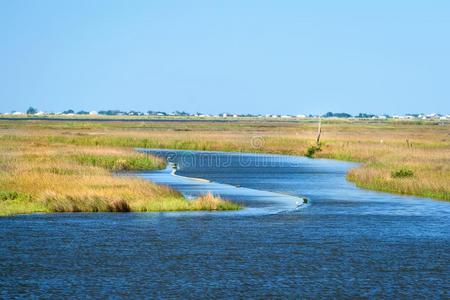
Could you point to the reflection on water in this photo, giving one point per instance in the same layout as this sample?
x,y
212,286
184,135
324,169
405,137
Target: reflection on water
x,y
346,243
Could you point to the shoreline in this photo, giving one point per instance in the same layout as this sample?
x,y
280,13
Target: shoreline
x,y
358,164
381,150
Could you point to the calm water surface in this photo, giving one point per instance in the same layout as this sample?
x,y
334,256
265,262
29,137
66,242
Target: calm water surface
x,y
346,242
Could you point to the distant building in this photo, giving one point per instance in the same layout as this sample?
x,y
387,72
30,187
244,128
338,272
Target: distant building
x,y
433,116
93,113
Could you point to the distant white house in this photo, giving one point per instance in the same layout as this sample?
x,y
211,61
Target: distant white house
x,y
301,116
93,113
17,113
40,113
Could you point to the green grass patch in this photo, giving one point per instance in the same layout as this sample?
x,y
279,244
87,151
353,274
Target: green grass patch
x,y
13,195
135,162
311,151
402,173
13,203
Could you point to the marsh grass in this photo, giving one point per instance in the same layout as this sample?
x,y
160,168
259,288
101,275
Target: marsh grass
x,y
211,202
207,202
135,162
38,176
382,147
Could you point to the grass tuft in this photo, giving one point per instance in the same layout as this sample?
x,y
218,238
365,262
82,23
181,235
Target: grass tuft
x,y
12,195
311,151
211,202
402,173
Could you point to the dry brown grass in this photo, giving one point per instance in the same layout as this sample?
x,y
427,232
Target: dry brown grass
x,y
382,147
36,176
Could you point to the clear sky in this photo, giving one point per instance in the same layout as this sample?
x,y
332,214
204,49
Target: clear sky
x,y
226,56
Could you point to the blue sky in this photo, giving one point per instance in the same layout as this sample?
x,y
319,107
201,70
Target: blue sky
x,y
226,56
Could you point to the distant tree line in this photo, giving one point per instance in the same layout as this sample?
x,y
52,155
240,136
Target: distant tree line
x,y
336,115
31,111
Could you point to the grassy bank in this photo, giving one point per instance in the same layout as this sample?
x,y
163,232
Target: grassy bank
x,y
384,147
39,176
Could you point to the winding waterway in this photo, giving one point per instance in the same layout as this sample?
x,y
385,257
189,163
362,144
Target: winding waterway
x,y
345,242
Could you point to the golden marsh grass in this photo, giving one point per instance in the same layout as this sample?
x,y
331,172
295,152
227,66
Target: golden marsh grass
x,y
383,147
37,176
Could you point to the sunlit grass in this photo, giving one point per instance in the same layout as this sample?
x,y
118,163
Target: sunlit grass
x,y
39,176
135,162
383,147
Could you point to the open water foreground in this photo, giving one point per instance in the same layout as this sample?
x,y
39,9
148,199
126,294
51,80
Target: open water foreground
x,y
345,242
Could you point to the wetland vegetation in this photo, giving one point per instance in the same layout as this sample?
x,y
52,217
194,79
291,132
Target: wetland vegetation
x,y
38,175
59,166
